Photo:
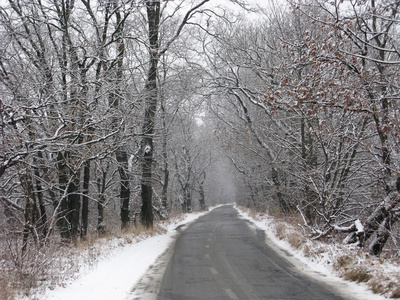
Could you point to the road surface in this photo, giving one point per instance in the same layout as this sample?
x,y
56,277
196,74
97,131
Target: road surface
x,y
221,256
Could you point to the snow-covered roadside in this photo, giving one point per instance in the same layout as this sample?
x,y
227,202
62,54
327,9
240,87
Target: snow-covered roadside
x,y
117,272
318,268
115,276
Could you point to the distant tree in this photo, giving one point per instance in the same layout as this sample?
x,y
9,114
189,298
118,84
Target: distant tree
x,y
192,157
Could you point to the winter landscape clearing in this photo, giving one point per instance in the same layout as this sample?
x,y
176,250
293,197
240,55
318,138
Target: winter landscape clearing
x,y
115,275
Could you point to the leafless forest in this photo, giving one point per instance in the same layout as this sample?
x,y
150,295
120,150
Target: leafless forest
x,y
116,113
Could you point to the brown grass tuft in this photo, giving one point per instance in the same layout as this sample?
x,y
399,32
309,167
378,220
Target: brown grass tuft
x,y
378,285
296,240
357,274
6,291
385,285
252,212
280,230
396,293
343,261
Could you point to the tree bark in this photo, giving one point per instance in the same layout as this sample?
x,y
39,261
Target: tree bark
x,y
62,222
31,212
202,200
164,192
74,205
122,158
85,199
101,187
115,101
151,94
42,209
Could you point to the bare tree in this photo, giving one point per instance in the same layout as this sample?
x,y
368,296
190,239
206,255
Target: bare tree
x,y
366,44
155,50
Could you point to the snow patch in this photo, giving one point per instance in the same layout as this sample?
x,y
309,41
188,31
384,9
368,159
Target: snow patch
x,y
147,149
359,226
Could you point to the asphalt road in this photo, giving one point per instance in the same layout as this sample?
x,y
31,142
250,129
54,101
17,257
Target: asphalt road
x,y
221,256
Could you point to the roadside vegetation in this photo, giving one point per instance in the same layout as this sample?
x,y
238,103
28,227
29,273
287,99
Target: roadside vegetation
x,y
59,265
381,275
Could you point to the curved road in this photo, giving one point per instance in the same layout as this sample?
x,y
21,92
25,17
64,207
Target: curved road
x,y
221,256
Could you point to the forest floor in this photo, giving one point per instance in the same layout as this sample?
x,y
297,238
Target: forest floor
x,y
109,268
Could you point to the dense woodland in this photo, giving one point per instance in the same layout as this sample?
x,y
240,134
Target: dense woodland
x,y
117,113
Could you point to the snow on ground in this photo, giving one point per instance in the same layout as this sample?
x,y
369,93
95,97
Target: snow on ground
x,y
115,276
319,268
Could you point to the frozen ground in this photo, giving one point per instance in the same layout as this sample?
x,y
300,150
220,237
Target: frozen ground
x,y
115,276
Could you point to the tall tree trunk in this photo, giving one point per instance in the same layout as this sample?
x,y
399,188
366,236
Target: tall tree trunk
x,y
202,200
46,223
151,94
115,98
62,222
101,187
69,208
309,199
187,198
42,209
381,222
31,213
164,192
85,199
122,158
28,216
74,205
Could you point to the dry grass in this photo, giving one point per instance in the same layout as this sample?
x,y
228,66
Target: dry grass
x,y
379,285
139,230
343,261
357,274
175,215
385,285
289,233
313,250
280,230
296,240
251,211
7,292
50,266
396,292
